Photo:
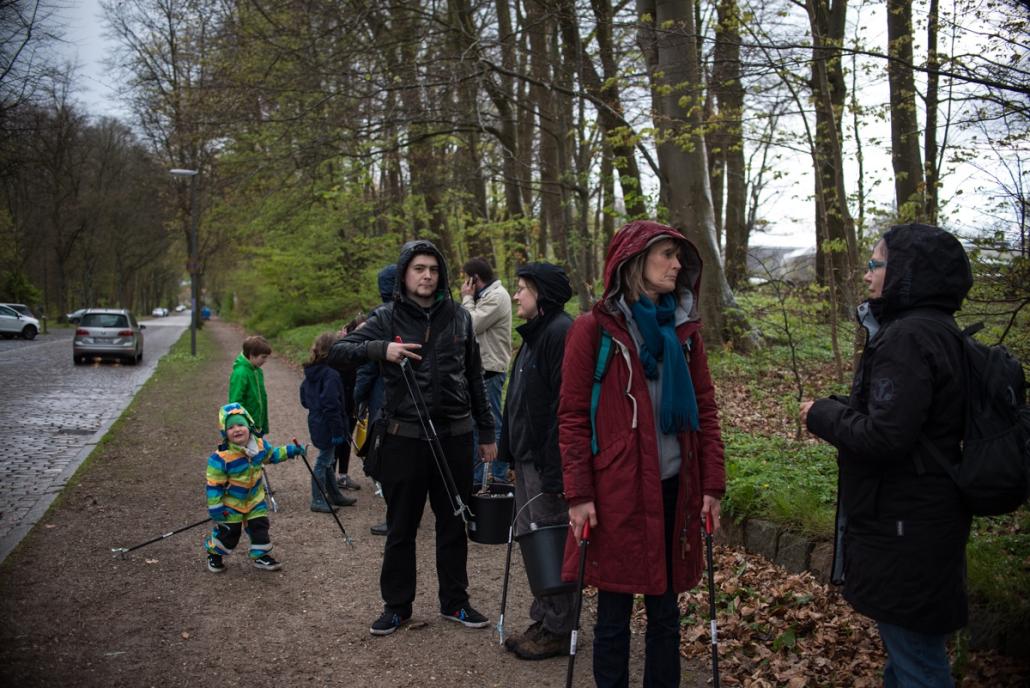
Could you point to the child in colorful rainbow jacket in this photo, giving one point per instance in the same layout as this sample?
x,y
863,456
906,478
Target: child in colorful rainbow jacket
x,y
235,492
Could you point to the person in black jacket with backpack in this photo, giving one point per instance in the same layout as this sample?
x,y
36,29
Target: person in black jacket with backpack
x,y
529,440
902,527
434,333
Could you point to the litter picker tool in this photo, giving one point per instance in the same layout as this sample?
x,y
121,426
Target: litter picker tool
x,y
584,541
436,449
122,551
507,568
711,599
304,457
268,490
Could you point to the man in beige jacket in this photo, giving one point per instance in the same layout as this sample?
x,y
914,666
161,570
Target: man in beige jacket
x,y
489,304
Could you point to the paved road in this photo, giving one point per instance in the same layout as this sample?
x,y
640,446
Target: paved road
x,y
52,414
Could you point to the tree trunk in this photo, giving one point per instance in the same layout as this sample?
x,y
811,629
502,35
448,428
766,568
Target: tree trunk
x,y
834,225
908,167
930,151
678,99
729,94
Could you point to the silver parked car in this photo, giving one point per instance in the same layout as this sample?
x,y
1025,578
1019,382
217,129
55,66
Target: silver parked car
x,y
15,324
108,332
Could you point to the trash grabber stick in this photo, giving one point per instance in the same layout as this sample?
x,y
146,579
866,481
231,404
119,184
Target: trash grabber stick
x,y
122,551
343,530
507,567
504,588
268,491
436,449
583,542
711,600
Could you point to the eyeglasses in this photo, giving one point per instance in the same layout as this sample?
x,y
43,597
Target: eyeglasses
x,y
874,264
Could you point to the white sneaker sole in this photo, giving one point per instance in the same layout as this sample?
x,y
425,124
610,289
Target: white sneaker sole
x,y
466,624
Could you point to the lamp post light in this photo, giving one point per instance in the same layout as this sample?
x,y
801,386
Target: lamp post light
x,y
193,175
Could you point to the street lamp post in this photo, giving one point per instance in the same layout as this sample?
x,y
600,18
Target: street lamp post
x,y
193,175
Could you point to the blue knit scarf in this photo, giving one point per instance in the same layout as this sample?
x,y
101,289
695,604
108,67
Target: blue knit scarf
x,y
658,328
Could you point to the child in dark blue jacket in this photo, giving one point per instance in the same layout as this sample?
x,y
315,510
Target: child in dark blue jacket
x,y
321,393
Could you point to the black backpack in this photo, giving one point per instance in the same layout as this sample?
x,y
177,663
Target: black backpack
x,y
994,474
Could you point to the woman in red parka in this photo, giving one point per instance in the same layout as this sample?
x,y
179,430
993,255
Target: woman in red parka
x,y
659,466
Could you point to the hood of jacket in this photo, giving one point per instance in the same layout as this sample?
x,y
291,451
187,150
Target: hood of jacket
x,y
387,280
408,253
552,285
229,410
242,362
635,237
926,268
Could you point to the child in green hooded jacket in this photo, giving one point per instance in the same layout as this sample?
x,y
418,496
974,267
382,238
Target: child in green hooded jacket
x,y
247,381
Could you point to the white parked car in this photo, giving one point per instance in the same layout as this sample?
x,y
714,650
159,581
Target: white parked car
x,y
159,312
15,324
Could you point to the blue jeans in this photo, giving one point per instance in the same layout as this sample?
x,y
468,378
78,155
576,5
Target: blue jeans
x,y
662,638
914,660
324,468
494,388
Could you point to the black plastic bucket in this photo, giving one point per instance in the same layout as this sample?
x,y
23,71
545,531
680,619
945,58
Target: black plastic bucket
x,y
491,514
542,552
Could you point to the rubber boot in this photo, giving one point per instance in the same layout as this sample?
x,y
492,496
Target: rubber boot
x,y
332,490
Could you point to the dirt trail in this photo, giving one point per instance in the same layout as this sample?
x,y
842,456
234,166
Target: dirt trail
x,y
74,615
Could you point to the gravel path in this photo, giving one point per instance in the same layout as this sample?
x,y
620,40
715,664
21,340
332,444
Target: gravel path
x,y
74,615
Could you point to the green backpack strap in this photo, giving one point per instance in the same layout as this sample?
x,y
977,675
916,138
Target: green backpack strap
x,y
604,355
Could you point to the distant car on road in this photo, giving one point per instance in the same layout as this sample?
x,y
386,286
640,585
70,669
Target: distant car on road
x,y
159,312
108,332
180,308
15,324
74,316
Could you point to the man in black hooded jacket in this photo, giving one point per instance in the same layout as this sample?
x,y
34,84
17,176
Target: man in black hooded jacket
x,y
529,439
424,325
901,524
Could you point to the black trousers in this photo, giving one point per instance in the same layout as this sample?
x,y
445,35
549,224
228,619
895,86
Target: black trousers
x,y
409,475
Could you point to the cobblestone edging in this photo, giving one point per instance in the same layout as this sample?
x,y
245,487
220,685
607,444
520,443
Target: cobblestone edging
x,y
797,554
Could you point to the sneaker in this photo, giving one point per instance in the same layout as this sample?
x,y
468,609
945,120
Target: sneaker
x,y
541,645
215,563
380,529
266,563
388,622
467,616
345,483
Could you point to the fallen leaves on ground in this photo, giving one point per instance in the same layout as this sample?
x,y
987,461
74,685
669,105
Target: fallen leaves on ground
x,y
780,629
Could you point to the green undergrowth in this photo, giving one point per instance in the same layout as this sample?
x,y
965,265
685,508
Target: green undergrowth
x,y
785,481
998,559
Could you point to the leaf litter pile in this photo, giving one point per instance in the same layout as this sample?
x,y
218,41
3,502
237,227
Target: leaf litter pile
x,y
782,629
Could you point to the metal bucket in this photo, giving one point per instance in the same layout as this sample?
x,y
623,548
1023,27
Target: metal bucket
x,y
491,514
542,552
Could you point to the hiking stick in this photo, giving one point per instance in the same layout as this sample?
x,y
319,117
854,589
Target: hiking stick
x,y
583,542
304,456
711,599
268,491
436,449
122,551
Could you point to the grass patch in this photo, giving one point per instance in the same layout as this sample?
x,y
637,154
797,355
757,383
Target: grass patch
x,y
789,482
295,343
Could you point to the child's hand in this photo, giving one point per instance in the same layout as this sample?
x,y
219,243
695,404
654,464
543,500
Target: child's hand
x,y
295,449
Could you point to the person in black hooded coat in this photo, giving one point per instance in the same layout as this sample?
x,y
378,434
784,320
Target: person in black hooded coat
x,y
901,525
424,325
529,439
